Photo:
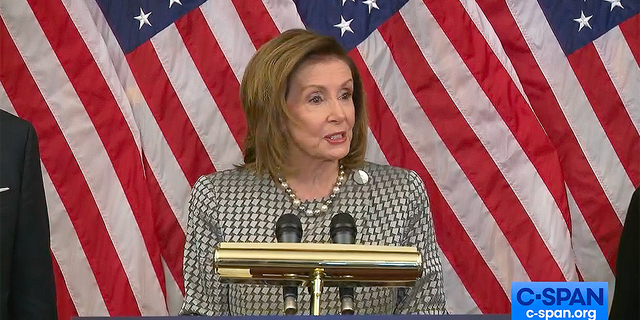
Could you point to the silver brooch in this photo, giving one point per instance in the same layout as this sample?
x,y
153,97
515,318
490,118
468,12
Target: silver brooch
x,y
360,177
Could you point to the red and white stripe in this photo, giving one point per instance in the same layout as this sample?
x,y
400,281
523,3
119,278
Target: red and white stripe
x,y
604,168
529,157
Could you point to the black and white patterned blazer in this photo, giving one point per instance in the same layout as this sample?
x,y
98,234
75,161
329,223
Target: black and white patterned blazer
x,y
391,208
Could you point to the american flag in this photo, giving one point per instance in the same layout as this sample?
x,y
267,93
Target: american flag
x,y
521,116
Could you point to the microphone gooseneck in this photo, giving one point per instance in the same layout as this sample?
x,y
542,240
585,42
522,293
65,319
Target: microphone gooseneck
x,y
343,230
289,229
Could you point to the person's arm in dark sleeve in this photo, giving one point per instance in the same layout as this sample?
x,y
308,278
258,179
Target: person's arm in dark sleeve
x,y
33,294
626,298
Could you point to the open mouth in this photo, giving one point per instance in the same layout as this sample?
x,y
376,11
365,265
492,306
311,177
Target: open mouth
x,y
336,137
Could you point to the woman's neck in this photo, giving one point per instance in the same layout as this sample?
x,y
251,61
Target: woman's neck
x,y
313,181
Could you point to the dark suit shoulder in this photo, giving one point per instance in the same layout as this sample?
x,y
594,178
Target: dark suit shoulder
x,y
10,124
14,133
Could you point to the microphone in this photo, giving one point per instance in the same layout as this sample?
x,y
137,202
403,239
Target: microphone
x,y
289,229
343,230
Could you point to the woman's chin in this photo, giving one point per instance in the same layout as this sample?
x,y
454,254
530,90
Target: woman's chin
x,y
339,156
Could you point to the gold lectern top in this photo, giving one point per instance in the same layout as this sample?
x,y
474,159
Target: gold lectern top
x,y
294,263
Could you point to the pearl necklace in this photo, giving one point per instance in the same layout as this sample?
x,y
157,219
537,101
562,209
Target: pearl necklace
x,y
325,205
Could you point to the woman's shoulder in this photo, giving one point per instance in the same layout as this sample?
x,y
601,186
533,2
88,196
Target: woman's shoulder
x,y
377,167
226,178
389,177
395,182
231,173
384,172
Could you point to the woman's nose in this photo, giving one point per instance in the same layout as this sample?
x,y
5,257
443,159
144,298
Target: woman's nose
x,y
337,112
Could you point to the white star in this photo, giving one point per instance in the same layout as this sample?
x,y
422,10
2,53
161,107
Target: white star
x,y
371,4
344,26
583,21
143,18
171,2
343,1
614,3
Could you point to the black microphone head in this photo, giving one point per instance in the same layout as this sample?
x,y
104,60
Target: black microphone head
x,y
342,228
288,228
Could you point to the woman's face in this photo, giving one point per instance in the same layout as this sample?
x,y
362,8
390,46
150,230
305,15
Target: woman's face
x,y
320,100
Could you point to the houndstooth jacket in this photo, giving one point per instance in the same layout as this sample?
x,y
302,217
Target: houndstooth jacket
x,y
391,208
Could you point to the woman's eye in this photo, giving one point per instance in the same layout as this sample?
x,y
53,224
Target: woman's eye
x,y
345,96
315,99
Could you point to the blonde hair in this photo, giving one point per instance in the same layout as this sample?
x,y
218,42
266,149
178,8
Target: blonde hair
x,y
263,93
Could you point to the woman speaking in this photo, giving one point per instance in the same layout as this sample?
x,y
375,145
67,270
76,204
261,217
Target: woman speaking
x,y
304,154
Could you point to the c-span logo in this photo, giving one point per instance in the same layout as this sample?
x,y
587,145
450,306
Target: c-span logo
x,y
559,300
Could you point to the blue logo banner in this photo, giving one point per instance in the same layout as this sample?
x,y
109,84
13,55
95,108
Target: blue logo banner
x,y
559,300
